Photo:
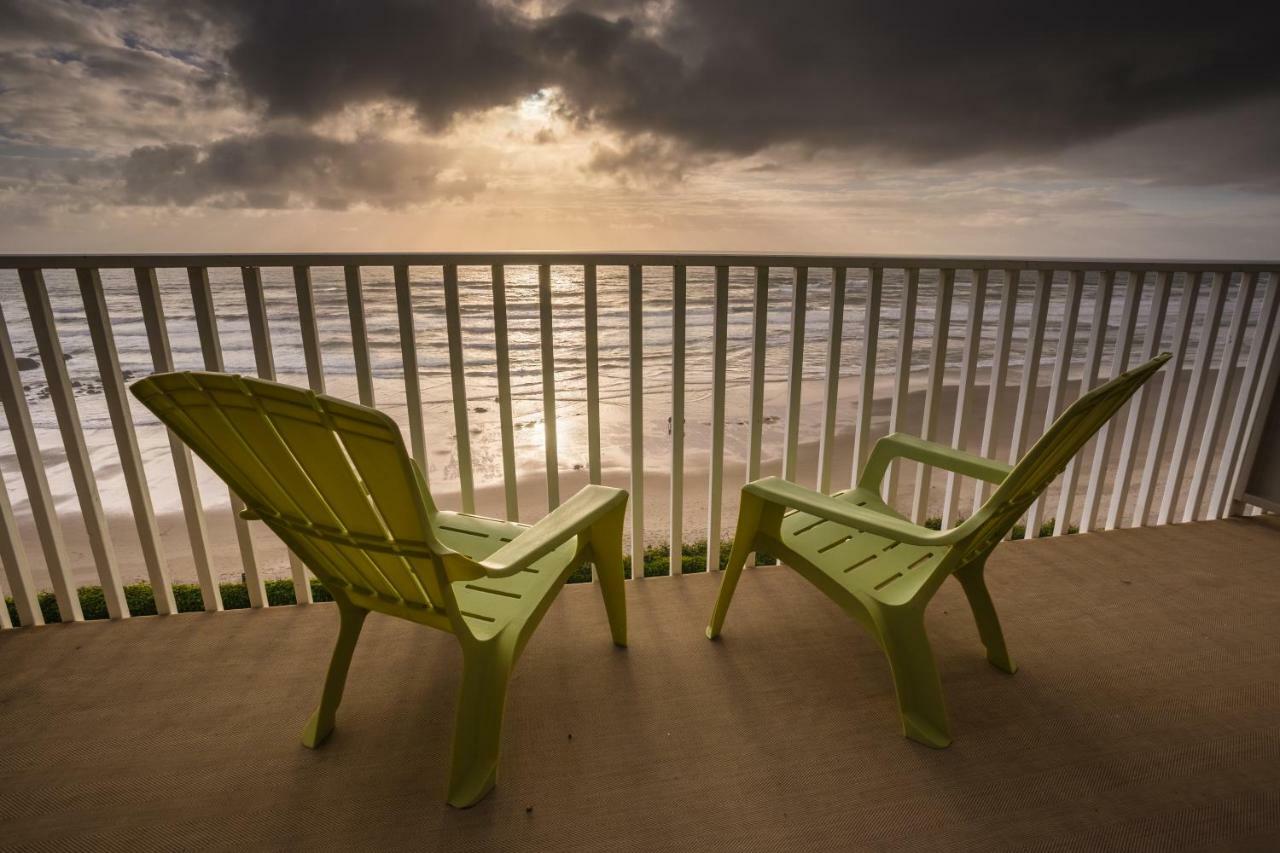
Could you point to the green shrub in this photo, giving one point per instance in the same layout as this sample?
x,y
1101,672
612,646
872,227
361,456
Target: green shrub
x,y
235,596
187,596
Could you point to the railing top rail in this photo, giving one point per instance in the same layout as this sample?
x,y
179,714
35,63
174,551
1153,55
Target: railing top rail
x,y
697,259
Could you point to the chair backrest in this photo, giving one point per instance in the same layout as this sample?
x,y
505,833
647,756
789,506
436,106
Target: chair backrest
x,y
331,478
1049,456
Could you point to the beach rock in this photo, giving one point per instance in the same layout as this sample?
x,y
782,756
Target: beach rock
x,y
27,363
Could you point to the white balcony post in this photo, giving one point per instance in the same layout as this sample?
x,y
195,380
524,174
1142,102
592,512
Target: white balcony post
x,y
1194,398
31,464
1169,378
715,484
502,357
17,568
548,386
831,389
211,350
678,299
635,337
1058,383
62,395
902,372
759,340
409,362
1264,338
131,466
933,391
591,333
1098,324
795,372
264,361
999,374
1137,407
964,390
183,465
1120,355
1260,404
867,372
359,335
458,386
1217,402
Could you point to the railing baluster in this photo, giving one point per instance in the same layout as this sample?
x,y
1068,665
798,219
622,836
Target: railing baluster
x,y
183,465
937,370
458,383
1170,378
211,350
1226,367
409,360
759,340
135,475
1219,501
1120,355
310,332
12,553
635,337
264,362
1088,378
831,393
26,448
62,396
503,357
591,333
17,568
1058,382
678,294
998,376
902,372
1137,407
1194,397
548,386
720,351
1029,382
359,335
964,390
867,377
795,372
1262,398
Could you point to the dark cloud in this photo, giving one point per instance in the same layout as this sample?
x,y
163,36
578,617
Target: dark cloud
x,y
306,59
288,169
922,81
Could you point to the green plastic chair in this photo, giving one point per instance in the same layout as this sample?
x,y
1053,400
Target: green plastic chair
x,y
333,480
883,570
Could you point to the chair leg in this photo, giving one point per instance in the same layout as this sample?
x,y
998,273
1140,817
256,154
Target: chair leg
x,y
321,722
743,541
915,677
606,553
477,736
984,613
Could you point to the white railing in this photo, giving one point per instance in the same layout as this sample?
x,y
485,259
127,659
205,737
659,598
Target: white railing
x,y
672,370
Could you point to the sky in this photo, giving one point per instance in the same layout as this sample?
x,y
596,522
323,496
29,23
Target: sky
x,y
1080,128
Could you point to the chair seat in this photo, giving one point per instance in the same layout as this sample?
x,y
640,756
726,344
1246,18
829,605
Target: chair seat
x,y
863,564
489,604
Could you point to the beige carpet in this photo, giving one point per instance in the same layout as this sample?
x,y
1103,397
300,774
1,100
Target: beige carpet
x,y
1146,715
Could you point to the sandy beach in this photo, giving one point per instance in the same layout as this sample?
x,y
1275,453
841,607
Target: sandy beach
x,y
532,492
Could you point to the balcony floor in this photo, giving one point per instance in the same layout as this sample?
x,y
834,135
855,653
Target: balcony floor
x,y
1146,715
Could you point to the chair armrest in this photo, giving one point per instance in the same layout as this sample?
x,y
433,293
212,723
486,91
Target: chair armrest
x,y
900,445
783,493
571,518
